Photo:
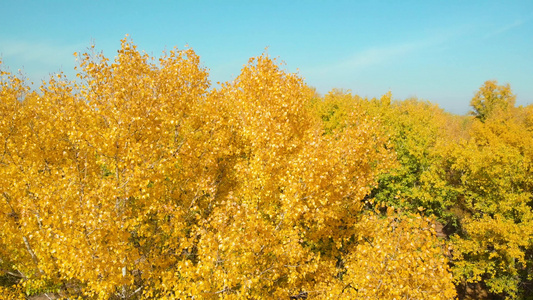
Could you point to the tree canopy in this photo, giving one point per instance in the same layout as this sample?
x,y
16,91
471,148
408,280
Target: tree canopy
x,y
139,180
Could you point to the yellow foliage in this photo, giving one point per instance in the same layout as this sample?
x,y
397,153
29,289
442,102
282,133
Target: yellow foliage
x,y
139,181
494,185
397,257
492,100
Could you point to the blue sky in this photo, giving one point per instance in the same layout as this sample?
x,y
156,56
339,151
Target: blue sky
x,y
441,51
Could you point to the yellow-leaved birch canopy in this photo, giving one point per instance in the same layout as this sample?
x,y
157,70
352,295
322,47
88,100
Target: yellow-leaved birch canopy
x,y
139,180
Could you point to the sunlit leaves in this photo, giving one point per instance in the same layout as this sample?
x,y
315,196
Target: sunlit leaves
x,y
138,181
398,257
495,198
492,99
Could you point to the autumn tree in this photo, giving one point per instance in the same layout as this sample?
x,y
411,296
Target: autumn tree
x,y
139,182
88,178
398,257
495,190
486,176
491,99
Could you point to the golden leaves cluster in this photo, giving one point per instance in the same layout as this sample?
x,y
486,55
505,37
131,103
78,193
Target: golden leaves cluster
x,y
139,181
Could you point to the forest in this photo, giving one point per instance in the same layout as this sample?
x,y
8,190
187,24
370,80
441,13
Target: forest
x,y
140,180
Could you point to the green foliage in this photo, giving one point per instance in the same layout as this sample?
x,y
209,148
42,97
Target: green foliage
x,y
416,129
472,175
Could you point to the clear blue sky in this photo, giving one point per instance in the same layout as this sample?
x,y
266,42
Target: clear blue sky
x,y
441,51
